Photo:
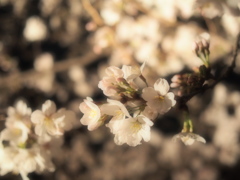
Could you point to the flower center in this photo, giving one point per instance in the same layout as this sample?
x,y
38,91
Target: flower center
x,y
92,114
48,122
136,126
160,98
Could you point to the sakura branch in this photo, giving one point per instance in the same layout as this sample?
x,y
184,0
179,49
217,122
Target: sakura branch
x,y
194,83
130,108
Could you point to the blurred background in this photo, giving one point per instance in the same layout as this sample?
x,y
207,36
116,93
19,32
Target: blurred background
x,y
59,49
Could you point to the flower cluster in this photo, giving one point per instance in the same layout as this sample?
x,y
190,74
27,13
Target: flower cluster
x,y
131,106
26,142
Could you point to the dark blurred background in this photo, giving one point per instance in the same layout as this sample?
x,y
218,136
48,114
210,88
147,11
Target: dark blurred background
x,y
58,50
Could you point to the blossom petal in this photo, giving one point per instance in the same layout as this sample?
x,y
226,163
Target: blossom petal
x,y
120,105
170,96
39,130
114,72
48,108
161,86
37,117
149,93
200,139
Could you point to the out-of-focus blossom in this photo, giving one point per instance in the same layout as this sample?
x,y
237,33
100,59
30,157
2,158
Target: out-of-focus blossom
x,y
20,112
81,86
213,8
50,121
77,73
103,38
188,138
35,29
17,123
131,131
23,161
16,133
158,97
111,11
223,114
210,9
75,7
48,6
44,62
231,24
92,114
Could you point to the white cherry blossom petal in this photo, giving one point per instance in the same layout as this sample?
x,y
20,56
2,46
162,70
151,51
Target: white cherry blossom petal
x,y
188,138
114,71
48,108
37,117
149,93
115,108
92,114
162,86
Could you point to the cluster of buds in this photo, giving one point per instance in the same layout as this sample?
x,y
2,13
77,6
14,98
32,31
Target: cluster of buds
x,y
131,106
187,83
201,48
27,142
192,82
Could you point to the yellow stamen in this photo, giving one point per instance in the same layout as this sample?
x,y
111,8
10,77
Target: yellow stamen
x,y
92,114
136,126
159,98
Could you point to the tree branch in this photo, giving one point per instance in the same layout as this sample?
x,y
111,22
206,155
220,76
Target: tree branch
x,y
182,100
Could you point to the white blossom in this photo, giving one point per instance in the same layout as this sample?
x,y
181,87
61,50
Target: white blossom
x,y
150,113
132,72
16,132
110,82
131,130
23,161
188,138
50,121
116,109
17,123
21,112
6,163
158,97
92,114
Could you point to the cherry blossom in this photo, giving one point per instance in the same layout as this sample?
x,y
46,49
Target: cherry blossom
x,y
50,121
188,138
131,130
92,114
132,72
116,109
109,83
159,98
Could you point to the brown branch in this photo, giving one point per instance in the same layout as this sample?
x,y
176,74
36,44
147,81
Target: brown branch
x,y
182,100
